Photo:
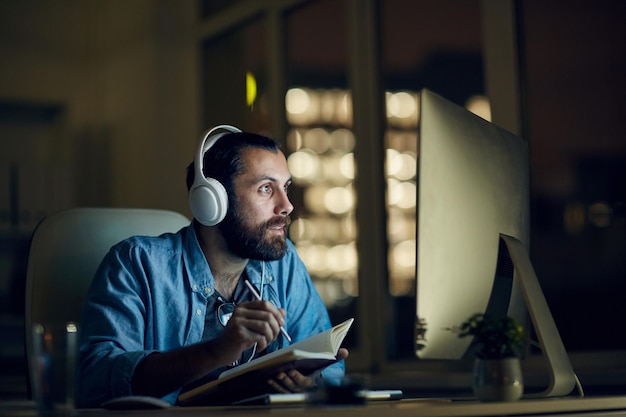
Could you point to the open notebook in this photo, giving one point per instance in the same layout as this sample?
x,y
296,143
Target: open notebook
x,y
307,356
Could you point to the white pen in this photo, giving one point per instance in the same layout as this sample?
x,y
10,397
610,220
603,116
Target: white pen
x,y
258,297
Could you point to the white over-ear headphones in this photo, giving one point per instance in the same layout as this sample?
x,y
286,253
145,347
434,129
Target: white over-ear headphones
x,y
207,196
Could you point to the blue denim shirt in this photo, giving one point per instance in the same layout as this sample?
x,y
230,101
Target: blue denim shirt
x,y
150,294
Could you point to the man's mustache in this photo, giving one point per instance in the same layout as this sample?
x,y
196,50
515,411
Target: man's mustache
x,y
281,221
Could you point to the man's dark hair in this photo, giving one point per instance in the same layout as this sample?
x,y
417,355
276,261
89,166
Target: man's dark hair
x,y
223,160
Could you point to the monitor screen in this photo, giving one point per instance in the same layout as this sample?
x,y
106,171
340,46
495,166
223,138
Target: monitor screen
x,y
473,226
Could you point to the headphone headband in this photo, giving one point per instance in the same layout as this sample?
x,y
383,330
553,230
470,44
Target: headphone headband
x,y
206,144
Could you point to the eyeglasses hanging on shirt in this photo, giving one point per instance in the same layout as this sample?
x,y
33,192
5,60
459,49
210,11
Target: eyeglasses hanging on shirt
x,y
225,311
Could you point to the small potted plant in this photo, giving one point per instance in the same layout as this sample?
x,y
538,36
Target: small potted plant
x,y
498,343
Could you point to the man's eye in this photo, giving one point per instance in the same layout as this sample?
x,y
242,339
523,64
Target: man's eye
x,y
266,189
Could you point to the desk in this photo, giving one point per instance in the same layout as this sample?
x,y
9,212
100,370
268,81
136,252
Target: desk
x,y
580,407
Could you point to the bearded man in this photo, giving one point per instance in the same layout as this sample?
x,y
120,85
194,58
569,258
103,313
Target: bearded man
x,y
165,311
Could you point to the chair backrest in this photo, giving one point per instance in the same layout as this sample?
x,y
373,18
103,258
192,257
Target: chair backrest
x,y
66,250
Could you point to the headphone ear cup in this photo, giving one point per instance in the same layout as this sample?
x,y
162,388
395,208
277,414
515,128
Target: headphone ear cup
x,y
207,196
208,201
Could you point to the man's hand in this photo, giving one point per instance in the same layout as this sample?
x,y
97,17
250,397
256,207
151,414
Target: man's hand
x,y
291,381
252,322
162,372
294,381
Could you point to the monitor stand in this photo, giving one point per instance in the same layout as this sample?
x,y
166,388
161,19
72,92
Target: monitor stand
x,y
561,373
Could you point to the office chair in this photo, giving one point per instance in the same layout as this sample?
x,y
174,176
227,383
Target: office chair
x,y
66,249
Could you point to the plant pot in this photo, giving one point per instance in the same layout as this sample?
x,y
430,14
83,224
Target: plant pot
x,y
498,379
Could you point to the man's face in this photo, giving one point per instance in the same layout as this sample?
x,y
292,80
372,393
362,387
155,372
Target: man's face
x,y
256,223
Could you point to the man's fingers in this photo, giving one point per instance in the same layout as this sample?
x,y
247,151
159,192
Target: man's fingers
x,y
277,387
261,310
301,382
342,353
283,383
254,325
293,381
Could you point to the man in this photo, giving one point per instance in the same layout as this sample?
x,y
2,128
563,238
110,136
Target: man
x,y
165,311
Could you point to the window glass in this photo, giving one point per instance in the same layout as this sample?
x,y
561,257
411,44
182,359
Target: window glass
x,y
575,88
425,44
234,78
320,144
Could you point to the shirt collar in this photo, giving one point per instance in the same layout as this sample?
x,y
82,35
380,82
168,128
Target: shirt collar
x,y
200,277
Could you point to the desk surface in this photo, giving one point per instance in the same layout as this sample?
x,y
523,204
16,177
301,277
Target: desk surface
x,y
588,406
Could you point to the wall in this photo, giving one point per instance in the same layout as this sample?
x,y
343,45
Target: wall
x,y
99,106
125,76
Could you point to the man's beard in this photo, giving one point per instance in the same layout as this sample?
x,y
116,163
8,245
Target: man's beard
x,y
250,241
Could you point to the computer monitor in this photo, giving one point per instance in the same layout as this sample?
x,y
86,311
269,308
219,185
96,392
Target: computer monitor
x,y
473,226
